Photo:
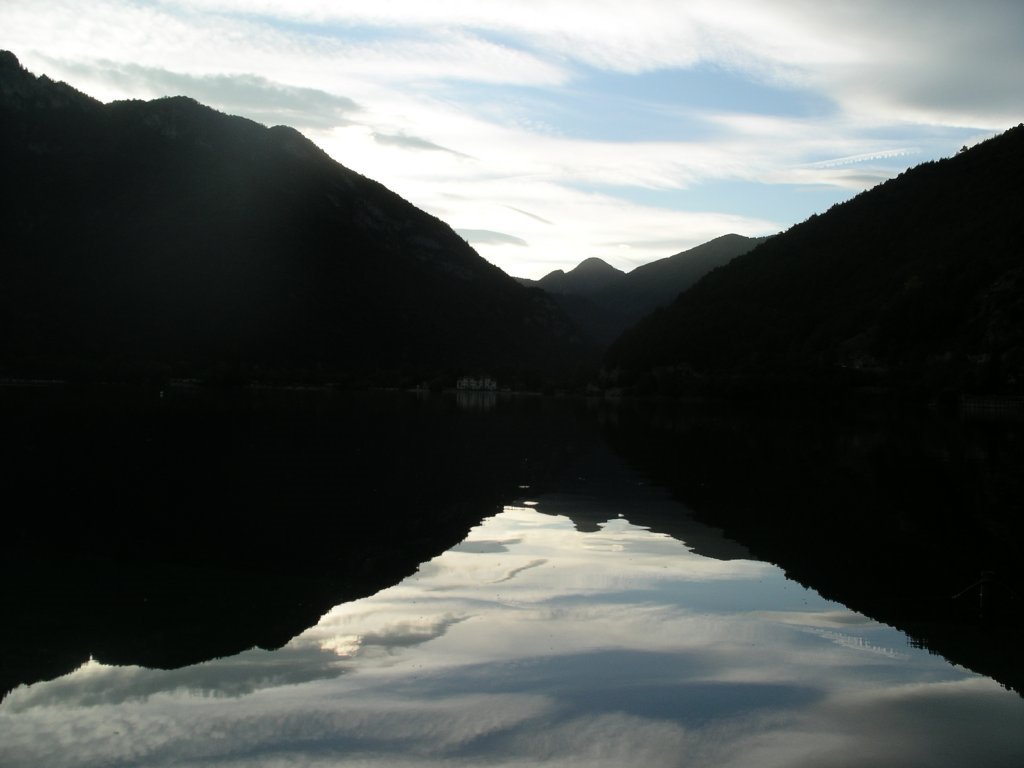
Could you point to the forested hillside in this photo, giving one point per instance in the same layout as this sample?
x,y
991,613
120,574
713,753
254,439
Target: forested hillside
x,y
163,238
917,284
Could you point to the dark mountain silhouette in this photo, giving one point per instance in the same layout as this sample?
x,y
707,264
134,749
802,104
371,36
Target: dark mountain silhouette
x,y
165,238
575,293
604,301
916,284
587,278
653,285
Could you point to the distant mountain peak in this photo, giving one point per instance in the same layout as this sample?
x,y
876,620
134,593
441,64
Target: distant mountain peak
x,y
587,277
593,265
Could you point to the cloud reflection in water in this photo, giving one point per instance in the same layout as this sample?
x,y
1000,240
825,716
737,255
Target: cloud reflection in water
x,y
534,643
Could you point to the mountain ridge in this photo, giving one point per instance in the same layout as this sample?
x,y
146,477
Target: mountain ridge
x,y
165,238
916,284
590,275
605,301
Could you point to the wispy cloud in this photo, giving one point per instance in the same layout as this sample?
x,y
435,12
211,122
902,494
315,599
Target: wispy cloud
x,y
488,237
533,216
413,142
248,95
884,154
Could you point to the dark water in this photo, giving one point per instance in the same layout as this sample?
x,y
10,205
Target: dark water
x,y
306,578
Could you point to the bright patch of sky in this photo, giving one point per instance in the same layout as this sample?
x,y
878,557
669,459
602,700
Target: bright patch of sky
x,y
555,131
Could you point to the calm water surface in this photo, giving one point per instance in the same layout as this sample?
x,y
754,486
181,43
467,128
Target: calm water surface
x,y
540,641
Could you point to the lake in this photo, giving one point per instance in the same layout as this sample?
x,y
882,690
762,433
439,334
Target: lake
x,y
500,580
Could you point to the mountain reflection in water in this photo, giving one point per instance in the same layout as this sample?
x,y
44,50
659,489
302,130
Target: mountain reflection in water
x,y
548,636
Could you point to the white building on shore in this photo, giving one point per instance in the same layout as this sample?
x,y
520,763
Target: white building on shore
x,y
477,384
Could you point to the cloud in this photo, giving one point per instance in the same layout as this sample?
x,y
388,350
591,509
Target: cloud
x,y
516,571
935,62
483,546
412,142
408,633
882,154
936,56
99,685
928,732
490,237
669,246
533,216
251,96
322,653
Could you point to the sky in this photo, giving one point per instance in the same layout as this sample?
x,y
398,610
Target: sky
x,y
546,132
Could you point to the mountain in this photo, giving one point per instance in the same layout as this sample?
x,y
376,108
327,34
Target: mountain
x,y
603,301
575,291
916,284
656,284
588,277
163,238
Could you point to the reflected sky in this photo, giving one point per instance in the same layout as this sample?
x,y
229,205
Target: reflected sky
x,y
534,643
